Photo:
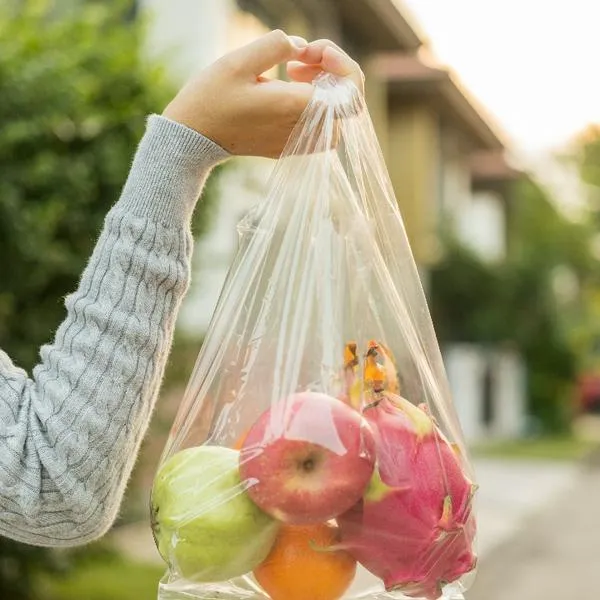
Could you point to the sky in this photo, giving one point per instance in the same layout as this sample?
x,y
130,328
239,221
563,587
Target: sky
x,y
534,64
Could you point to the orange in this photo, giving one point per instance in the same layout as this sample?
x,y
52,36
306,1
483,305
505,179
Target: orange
x,y
240,441
303,566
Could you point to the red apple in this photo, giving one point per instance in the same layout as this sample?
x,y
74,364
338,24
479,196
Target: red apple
x,y
308,458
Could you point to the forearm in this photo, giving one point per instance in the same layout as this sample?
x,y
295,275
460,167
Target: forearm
x,y
70,434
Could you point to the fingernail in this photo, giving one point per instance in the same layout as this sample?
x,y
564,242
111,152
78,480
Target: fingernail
x,y
337,62
336,53
298,41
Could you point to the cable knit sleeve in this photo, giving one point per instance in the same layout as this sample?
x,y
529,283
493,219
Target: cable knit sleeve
x,y
69,434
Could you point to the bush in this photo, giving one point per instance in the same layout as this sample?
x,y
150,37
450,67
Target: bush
x,y
74,95
514,302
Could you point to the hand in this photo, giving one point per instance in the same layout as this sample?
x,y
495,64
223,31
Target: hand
x,y
234,105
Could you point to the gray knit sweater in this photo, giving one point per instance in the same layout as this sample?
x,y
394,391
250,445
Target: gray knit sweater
x,y
69,435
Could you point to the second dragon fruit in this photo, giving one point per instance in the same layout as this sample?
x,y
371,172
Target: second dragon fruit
x,y
414,527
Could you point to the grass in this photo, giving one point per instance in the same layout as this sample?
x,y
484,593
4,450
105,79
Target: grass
x,y
105,579
567,448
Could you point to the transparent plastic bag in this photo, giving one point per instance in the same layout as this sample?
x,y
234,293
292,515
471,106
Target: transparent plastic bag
x,y
317,454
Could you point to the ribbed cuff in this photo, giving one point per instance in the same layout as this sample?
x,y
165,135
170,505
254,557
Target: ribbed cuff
x,y
169,168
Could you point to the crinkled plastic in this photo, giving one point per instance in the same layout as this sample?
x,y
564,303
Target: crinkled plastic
x,y
317,454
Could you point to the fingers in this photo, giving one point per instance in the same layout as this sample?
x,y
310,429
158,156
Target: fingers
x,y
313,53
288,96
305,73
325,55
267,51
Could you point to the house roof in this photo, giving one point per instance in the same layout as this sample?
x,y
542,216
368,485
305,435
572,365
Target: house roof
x,y
411,76
490,167
379,25
383,25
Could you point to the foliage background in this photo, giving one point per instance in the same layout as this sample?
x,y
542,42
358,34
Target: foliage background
x,y
516,302
73,104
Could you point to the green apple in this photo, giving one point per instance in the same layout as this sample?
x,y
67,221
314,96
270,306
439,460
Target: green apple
x,y
205,525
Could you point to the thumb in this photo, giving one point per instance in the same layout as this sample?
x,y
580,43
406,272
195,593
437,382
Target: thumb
x,y
269,50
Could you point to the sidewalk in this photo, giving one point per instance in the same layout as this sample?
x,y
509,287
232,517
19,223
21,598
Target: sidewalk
x,y
555,556
511,491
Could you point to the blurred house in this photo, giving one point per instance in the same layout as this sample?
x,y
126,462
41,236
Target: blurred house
x,y
484,221
450,176
446,161
436,138
488,383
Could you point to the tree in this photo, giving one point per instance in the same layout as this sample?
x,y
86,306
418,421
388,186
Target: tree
x,y
586,153
72,108
515,301
74,95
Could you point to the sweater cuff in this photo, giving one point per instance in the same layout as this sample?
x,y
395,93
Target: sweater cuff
x,y
169,168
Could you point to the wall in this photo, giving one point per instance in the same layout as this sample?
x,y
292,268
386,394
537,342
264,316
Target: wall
x,y
455,173
190,34
376,95
502,415
482,225
413,161
478,217
241,185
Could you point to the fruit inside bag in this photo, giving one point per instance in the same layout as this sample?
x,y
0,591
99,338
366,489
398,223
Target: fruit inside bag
x,y
316,454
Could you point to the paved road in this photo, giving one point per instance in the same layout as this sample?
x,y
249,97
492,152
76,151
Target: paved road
x,y
511,491
556,554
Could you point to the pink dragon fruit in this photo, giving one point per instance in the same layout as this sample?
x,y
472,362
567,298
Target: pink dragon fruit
x,y
414,528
